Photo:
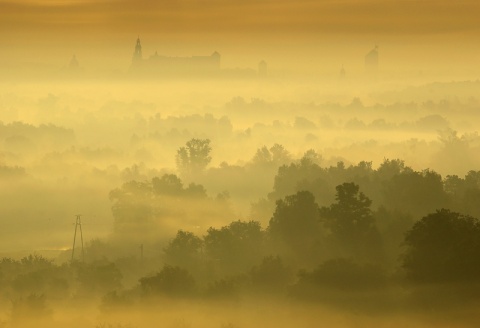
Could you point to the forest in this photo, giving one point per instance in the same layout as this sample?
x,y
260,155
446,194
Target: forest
x,y
234,203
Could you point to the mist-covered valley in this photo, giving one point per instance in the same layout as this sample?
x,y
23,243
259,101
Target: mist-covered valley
x,y
245,202
239,164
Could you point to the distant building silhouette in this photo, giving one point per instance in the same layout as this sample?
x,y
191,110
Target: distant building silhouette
x,y
72,70
137,54
158,65
371,60
262,69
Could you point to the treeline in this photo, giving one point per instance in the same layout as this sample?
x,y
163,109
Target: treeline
x,y
383,236
392,185
231,263
23,136
377,229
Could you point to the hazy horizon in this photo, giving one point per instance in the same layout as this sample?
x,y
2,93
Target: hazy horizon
x,y
434,38
255,164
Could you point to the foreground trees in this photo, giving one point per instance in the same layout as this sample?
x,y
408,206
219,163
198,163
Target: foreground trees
x,y
442,255
170,281
443,247
351,223
332,253
184,250
295,224
234,248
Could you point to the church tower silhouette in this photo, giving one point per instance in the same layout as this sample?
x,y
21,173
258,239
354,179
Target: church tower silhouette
x,y
137,55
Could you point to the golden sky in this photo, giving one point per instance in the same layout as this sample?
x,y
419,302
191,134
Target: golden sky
x,y
249,23
347,17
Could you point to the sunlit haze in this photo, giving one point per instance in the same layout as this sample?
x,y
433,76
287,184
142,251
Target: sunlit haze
x,y
239,164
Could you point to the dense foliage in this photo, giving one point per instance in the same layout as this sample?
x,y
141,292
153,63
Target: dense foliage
x,y
374,229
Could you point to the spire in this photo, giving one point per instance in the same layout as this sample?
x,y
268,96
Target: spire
x,y
137,55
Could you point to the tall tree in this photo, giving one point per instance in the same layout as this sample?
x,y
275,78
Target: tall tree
x,y
351,222
194,157
184,250
235,247
443,247
351,214
295,223
171,281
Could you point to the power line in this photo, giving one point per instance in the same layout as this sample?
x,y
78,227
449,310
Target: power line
x,y
78,224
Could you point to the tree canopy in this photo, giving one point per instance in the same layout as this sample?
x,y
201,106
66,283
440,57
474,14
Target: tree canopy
x,y
443,247
295,222
194,157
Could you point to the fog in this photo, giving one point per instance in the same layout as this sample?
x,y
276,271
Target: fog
x,y
232,165
65,146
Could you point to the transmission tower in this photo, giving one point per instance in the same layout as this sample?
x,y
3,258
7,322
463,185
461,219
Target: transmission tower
x,y
78,225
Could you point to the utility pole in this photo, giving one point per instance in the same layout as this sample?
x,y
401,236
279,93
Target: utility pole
x,y
78,225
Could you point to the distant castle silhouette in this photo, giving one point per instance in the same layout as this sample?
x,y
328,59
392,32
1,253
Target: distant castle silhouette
x,y
163,65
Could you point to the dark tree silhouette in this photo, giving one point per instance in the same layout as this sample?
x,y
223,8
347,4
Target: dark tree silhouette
x,y
184,250
262,156
196,191
351,222
295,222
351,214
194,157
389,168
132,206
271,157
34,274
280,154
464,194
443,247
139,207
168,184
99,276
271,275
345,274
340,281
414,192
235,247
171,281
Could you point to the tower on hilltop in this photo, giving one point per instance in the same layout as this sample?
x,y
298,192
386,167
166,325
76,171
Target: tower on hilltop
x,y
137,54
